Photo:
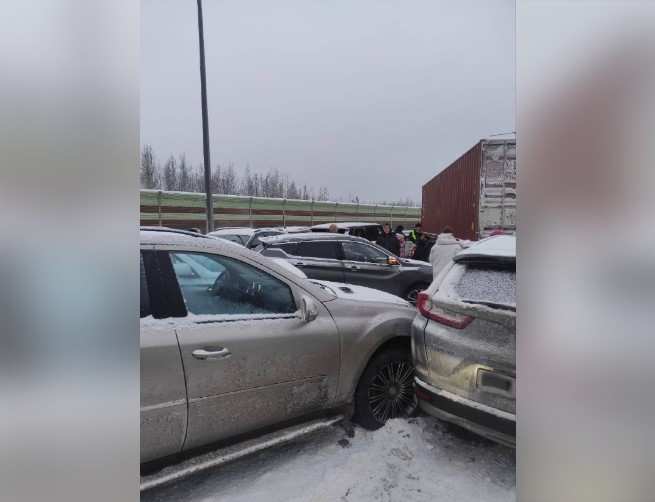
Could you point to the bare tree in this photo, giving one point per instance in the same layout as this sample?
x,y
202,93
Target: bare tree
x,y
170,174
148,168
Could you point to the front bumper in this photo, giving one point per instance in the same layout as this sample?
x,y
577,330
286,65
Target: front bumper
x,y
484,420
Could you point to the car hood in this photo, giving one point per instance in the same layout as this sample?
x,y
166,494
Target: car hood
x,y
360,293
414,263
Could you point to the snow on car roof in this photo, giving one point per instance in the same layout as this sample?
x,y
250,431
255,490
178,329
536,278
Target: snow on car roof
x,y
498,246
233,231
348,224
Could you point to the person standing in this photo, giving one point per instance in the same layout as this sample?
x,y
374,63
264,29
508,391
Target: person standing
x,y
415,234
423,246
443,251
401,240
388,240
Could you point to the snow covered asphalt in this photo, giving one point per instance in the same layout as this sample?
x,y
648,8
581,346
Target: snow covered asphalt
x,y
420,459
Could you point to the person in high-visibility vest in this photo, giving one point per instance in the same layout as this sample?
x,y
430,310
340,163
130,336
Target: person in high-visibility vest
x,y
415,234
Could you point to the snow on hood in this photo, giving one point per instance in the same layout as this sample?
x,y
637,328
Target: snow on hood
x,y
361,293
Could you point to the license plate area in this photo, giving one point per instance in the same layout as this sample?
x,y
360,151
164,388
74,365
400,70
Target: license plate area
x,y
496,383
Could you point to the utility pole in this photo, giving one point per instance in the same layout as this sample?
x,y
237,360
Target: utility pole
x,y
205,124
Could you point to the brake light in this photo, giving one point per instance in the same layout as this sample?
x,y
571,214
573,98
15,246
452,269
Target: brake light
x,y
429,310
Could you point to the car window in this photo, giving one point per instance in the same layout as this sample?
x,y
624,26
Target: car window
x,y
356,251
290,248
489,285
145,299
213,284
318,249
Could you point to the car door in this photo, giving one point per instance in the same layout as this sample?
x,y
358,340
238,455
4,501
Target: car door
x,y
367,265
163,391
250,360
319,260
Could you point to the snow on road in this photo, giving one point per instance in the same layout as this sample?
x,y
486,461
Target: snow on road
x,y
422,459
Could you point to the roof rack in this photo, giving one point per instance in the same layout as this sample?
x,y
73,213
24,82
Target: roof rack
x,y
174,231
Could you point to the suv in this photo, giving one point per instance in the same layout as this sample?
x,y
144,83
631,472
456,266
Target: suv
x,y
464,344
369,231
353,260
233,344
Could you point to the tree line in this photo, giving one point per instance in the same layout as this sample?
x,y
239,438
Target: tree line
x,y
176,174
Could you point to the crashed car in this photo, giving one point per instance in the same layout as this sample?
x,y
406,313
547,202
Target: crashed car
x,y
353,260
232,344
464,343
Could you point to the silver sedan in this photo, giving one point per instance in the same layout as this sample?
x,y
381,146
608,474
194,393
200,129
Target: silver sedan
x,y
232,343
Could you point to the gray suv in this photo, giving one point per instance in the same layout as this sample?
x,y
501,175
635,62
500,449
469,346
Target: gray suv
x,y
233,343
464,344
353,260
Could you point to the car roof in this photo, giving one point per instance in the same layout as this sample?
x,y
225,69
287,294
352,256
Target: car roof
x,y
234,231
497,247
348,224
190,241
312,236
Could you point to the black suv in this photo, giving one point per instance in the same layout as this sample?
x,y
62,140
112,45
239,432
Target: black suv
x,y
346,258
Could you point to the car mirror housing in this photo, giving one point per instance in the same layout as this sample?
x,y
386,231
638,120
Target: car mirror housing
x,y
308,309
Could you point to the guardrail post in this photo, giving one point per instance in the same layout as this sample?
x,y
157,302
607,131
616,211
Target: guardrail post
x,y
284,212
159,207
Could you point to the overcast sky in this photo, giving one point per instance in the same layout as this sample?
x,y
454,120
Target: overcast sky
x,y
369,97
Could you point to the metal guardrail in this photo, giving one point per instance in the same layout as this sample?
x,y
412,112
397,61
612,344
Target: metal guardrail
x,y
187,210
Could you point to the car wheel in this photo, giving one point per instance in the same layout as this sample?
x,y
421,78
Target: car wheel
x,y
414,290
386,389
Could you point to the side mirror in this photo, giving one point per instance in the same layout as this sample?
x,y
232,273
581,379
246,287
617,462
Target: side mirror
x,y
308,309
392,260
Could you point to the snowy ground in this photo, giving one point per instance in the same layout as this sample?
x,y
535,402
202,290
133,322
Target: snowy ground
x,y
422,459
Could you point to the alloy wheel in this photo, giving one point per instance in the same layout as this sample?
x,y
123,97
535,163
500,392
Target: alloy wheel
x,y
391,392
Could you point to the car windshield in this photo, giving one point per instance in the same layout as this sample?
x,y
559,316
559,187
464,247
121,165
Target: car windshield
x,y
490,285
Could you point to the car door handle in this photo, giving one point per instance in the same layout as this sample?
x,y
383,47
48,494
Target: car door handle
x,y
204,354
353,267
300,264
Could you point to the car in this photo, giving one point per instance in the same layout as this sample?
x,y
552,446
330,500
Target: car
x,y
348,259
464,341
246,236
233,344
369,231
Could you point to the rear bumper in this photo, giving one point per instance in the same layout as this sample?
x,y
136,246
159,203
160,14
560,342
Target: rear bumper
x,y
487,421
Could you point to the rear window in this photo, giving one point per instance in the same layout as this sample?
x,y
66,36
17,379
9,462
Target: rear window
x,y
318,249
494,286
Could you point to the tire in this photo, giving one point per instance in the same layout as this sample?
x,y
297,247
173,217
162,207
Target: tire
x,y
385,389
414,289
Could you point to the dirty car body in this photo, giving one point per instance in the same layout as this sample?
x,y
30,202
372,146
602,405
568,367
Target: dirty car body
x,y
463,341
232,343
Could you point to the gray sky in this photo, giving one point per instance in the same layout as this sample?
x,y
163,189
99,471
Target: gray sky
x,y
369,97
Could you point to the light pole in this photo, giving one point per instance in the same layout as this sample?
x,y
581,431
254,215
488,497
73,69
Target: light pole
x,y
205,124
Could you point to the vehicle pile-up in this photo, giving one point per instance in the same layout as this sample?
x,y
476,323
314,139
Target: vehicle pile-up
x,y
247,331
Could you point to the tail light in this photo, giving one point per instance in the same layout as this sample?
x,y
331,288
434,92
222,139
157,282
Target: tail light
x,y
429,310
